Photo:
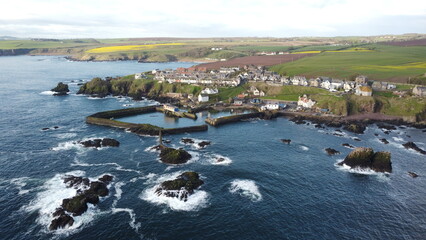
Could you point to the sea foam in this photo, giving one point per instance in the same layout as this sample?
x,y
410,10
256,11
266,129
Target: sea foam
x,y
196,201
246,188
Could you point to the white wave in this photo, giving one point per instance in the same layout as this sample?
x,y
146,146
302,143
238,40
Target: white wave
x,y
217,159
46,202
47,93
20,183
194,157
63,146
94,98
66,135
196,201
398,139
135,225
246,188
304,148
118,192
117,166
152,149
195,144
364,171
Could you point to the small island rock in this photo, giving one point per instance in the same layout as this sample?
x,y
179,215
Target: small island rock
x,y
61,89
183,186
366,158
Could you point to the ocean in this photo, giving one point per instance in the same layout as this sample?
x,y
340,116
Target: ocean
x,y
264,189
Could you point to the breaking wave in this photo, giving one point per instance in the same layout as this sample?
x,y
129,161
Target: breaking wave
x,y
196,201
46,202
246,188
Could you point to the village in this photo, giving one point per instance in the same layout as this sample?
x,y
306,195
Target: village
x,y
236,76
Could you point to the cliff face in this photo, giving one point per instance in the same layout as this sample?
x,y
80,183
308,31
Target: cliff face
x,y
14,52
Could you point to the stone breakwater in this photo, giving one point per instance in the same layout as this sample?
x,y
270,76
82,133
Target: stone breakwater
x,y
233,118
107,119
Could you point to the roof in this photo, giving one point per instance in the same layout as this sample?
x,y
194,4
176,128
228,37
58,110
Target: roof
x,y
365,89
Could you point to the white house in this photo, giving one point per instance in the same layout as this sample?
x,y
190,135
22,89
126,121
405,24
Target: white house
x,y
203,98
365,91
348,86
208,91
138,75
305,102
326,84
270,106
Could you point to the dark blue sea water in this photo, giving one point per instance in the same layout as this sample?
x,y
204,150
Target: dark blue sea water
x,y
263,190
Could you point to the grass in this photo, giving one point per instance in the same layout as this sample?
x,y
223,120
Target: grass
x,y
383,94
392,63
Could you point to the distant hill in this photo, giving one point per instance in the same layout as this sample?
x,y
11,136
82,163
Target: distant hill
x,y
5,38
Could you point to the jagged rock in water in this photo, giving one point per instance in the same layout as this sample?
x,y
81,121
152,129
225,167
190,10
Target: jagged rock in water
x,y
98,188
288,141
73,181
413,146
366,158
61,221
385,126
331,151
203,144
355,128
384,140
97,143
76,205
44,129
61,89
347,145
174,156
413,174
357,139
106,179
187,140
220,159
181,187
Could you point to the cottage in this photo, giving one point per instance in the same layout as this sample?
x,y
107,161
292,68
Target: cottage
x,y
419,91
314,82
238,101
262,94
270,106
361,79
365,91
203,98
348,86
139,75
209,91
379,86
305,102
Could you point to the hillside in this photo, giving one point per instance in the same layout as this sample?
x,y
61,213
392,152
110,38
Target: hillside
x,y
377,61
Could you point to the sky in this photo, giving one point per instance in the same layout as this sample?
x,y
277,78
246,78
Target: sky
x,y
219,18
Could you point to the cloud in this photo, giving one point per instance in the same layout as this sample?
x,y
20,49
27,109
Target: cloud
x,y
197,18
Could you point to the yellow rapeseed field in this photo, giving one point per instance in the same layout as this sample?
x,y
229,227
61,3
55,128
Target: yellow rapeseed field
x,y
127,48
306,52
415,65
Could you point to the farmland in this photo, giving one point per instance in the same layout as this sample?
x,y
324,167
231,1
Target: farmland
x,y
382,62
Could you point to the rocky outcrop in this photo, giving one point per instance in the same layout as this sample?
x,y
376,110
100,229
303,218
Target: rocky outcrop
x,y
61,89
366,158
357,128
181,187
174,156
411,145
287,141
347,145
203,144
187,140
384,140
331,151
77,205
413,174
97,143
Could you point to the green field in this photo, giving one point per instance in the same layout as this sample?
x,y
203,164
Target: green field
x,y
392,63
